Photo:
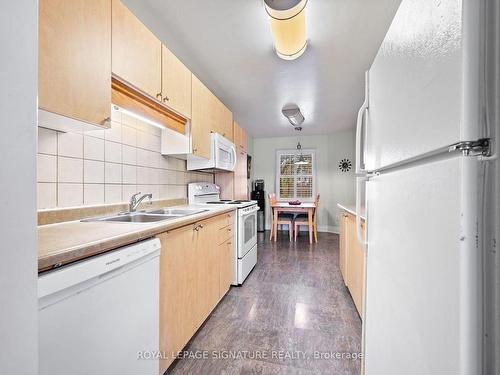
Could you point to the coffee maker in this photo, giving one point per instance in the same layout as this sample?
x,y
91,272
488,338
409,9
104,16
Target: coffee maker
x,y
259,195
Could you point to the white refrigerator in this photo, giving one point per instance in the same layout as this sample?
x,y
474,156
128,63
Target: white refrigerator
x,y
427,160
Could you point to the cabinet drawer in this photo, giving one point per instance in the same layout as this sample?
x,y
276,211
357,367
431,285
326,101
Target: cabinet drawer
x,y
225,234
226,219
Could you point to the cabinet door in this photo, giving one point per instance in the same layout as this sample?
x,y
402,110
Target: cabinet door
x,y
136,51
208,267
74,63
244,140
178,291
176,83
201,118
355,265
226,266
240,137
343,241
226,120
240,176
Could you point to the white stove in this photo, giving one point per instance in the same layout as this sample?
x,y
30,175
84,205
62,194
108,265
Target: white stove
x,y
245,222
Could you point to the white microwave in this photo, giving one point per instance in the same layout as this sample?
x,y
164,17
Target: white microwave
x,y
222,156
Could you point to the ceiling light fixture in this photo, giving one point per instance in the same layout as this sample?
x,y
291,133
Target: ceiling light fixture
x,y
293,114
288,26
301,160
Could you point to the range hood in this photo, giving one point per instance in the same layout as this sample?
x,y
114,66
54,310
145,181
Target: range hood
x,y
176,144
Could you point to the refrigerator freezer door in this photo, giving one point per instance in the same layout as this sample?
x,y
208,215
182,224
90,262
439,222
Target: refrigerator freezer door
x,y
417,82
423,285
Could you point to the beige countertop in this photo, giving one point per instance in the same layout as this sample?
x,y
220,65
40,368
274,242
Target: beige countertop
x,y
67,242
351,209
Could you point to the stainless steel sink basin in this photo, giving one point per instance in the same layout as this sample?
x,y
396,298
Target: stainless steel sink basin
x,y
179,212
134,218
149,217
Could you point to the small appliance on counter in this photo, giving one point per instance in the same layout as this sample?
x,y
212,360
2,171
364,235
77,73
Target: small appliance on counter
x,y
202,193
259,195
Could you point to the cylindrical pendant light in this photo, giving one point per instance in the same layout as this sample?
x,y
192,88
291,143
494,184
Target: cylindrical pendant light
x,y
288,26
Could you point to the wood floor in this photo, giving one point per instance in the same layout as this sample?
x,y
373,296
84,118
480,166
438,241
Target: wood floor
x,y
292,308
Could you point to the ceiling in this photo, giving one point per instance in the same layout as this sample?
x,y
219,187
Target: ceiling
x,y
228,45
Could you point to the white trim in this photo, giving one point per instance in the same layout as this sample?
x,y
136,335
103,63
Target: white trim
x,y
280,152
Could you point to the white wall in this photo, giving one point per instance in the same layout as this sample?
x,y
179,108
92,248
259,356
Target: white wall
x,y
18,263
333,185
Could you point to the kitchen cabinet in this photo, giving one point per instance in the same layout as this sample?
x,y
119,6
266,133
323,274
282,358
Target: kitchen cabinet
x,y
355,264
223,120
201,118
195,273
352,259
136,52
343,246
178,290
240,137
227,253
74,59
208,268
240,176
176,83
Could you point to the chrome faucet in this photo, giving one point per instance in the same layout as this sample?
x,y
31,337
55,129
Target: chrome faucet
x,y
134,201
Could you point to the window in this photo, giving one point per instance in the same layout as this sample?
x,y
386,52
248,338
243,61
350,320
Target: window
x,y
295,181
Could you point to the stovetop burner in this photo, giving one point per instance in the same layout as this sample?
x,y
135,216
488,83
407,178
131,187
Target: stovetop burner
x,y
228,201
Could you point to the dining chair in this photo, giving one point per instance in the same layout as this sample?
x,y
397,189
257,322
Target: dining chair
x,y
283,219
303,219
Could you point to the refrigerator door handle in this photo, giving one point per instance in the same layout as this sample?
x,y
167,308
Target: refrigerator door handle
x,y
361,238
360,162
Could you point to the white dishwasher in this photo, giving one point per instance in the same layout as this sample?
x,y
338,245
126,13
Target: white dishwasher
x,y
101,315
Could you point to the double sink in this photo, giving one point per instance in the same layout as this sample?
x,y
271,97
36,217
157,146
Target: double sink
x,y
150,216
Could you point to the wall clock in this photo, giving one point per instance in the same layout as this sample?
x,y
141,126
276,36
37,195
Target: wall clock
x,y
345,165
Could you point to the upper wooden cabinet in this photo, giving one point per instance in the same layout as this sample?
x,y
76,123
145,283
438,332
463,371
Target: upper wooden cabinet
x,y
223,123
176,83
74,63
240,176
201,118
136,52
240,137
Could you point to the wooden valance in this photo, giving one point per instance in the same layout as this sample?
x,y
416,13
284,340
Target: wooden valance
x,y
133,100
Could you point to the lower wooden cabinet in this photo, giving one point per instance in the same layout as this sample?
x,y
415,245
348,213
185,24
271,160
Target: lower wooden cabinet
x,y
195,273
343,247
352,259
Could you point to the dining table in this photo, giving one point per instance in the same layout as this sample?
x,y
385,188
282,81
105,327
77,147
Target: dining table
x,y
303,208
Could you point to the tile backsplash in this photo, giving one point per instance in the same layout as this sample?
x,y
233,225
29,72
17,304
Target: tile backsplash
x,y
108,166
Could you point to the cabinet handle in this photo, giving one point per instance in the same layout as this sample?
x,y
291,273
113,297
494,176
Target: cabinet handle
x,y
158,96
165,99
229,229
201,226
229,243
106,120
195,149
